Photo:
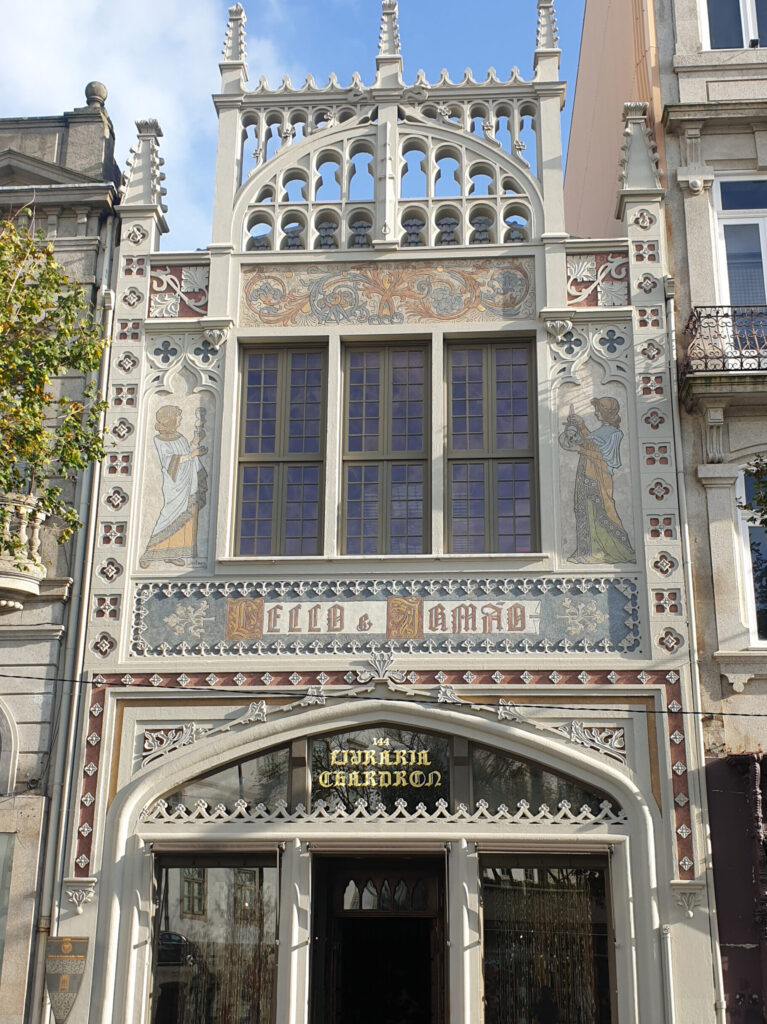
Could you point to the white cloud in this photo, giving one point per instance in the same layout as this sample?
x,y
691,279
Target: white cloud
x,y
158,58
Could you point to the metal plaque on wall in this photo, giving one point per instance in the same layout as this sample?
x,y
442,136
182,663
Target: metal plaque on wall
x,y
64,970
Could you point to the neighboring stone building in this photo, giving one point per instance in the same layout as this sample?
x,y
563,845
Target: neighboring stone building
x,y
62,170
700,67
389,711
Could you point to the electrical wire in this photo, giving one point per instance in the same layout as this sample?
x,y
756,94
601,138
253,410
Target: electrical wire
x,y
521,706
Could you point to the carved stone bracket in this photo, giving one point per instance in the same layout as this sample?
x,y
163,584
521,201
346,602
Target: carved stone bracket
x,y
559,328
688,895
80,891
713,434
740,667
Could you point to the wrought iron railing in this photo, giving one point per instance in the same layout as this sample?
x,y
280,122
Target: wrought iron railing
x,y
726,338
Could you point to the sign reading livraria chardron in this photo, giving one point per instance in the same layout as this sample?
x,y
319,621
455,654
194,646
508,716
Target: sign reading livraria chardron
x,y
359,616
381,765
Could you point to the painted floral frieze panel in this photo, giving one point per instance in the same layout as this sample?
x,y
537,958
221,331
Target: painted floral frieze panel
x,y
178,291
598,279
492,616
388,292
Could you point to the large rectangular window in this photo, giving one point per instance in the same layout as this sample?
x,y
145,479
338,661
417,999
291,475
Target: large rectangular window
x,y
546,948
490,480
218,965
742,208
282,453
385,477
733,24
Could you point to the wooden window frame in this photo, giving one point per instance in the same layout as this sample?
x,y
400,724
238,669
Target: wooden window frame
x,y
282,458
385,458
490,456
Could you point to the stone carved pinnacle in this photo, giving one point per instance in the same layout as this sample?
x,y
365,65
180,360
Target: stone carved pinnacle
x,y
548,34
388,39
639,167
234,41
142,181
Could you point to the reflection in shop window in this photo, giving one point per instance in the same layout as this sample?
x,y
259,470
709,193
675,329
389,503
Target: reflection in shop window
x,y
259,780
499,778
217,965
754,547
545,942
193,897
6,858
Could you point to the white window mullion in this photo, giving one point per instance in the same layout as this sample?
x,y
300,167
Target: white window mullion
x,y
763,246
749,22
705,35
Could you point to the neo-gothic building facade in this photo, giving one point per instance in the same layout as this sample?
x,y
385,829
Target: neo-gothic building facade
x,y
387,651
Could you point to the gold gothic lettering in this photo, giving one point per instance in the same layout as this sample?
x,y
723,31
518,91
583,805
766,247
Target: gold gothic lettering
x,y
373,779
376,758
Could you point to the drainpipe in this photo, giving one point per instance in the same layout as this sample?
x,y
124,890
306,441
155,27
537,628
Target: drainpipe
x,y
74,656
720,1004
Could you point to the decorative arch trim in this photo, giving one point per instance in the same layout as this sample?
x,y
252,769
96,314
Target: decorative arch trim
x,y
9,749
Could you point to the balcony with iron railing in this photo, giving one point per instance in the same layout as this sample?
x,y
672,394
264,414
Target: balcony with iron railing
x,y
726,339
726,359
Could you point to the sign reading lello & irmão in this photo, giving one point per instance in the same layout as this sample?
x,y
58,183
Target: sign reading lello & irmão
x,y
357,616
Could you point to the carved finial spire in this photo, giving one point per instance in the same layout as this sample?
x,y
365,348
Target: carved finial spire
x,y
234,41
142,181
389,59
639,171
548,34
388,40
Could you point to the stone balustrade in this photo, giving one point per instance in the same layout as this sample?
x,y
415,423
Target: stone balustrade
x,y
22,570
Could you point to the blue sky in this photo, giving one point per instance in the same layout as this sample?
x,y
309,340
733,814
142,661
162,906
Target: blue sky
x,y
159,58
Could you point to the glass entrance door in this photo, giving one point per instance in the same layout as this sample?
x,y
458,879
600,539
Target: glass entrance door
x,y
379,941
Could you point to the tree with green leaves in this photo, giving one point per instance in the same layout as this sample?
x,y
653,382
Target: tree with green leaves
x,y
756,491
48,431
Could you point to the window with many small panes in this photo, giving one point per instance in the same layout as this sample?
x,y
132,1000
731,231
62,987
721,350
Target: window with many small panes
x,y
282,452
394,400
385,472
490,478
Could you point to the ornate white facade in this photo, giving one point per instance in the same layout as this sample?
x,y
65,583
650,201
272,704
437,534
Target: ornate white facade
x,y
529,605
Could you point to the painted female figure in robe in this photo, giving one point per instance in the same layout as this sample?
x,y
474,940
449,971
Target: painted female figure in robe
x,y
184,490
600,534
